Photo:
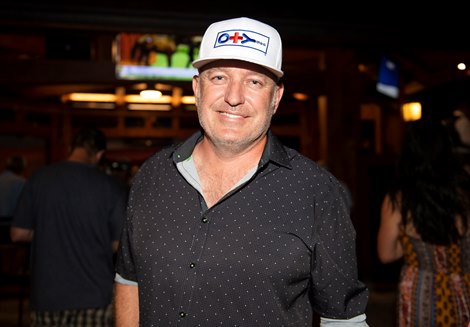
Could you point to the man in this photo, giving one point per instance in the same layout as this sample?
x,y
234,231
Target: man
x,y
11,184
72,213
231,227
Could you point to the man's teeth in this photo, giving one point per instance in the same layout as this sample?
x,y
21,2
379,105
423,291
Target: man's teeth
x,y
230,115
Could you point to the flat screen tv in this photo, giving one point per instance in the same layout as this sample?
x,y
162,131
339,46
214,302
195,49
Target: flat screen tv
x,y
142,56
388,78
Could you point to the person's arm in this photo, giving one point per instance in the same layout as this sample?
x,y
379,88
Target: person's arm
x,y
115,246
389,247
126,303
18,234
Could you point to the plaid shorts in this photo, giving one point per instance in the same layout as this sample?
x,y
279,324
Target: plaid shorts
x,y
97,317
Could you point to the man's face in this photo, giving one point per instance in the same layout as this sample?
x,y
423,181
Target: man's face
x,y
236,101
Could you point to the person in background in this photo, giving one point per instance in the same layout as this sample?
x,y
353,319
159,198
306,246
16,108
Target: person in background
x,y
11,184
425,222
231,227
462,124
72,212
461,128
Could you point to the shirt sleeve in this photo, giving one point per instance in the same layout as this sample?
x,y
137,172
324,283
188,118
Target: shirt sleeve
x,y
24,213
118,279
358,321
338,294
125,265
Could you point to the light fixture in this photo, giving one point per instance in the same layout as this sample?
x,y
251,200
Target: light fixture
x,y
188,99
149,106
147,99
89,97
134,98
150,94
300,96
411,111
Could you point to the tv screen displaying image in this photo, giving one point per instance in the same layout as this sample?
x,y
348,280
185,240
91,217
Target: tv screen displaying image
x,y
388,78
156,56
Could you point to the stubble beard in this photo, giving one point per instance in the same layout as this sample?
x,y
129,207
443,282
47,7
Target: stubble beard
x,y
235,145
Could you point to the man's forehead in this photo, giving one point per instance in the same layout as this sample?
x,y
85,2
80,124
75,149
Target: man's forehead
x,y
224,64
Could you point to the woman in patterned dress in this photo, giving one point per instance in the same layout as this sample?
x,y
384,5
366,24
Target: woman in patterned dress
x,y
425,222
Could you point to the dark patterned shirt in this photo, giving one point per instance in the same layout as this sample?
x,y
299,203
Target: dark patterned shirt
x,y
272,251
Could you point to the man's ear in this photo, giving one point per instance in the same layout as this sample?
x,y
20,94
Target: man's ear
x,y
195,83
278,95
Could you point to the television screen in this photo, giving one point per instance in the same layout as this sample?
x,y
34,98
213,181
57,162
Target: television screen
x,y
156,56
388,79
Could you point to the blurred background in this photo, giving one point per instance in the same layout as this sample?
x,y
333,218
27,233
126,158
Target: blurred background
x,y
350,72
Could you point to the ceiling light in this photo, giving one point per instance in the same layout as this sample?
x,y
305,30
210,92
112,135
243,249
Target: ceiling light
x,y
461,66
150,94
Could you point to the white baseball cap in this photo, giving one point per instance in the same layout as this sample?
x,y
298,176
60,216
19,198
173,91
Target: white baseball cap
x,y
243,39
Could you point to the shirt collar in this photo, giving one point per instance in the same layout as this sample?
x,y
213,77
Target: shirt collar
x,y
274,150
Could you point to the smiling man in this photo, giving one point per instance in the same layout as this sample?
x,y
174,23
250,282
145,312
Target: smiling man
x,y
231,227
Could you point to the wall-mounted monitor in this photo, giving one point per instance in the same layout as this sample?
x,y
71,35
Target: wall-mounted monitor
x,y
388,78
142,56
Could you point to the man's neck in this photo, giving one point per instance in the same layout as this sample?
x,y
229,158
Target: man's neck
x,y
81,155
219,172
212,154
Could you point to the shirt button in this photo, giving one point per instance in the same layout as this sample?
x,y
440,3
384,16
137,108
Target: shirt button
x,y
205,220
192,265
182,314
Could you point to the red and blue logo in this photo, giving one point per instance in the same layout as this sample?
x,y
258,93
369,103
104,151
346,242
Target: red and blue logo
x,y
242,38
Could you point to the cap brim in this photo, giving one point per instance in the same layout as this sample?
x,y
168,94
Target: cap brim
x,y
198,63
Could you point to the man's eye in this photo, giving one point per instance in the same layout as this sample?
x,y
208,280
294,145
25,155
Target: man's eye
x,y
256,83
217,78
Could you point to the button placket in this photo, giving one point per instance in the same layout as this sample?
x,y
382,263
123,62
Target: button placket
x,y
202,233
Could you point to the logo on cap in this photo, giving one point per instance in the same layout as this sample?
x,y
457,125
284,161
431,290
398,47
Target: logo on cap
x,y
242,38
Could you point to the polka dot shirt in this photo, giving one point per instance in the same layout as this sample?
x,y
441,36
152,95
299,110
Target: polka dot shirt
x,y
272,251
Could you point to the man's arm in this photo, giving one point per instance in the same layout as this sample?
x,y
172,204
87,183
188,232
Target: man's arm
x,y
126,305
115,246
18,234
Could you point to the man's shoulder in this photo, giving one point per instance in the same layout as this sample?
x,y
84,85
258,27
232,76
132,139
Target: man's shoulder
x,y
309,166
298,158
9,176
162,155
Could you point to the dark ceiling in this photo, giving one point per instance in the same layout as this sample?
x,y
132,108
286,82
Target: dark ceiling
x,y
427,42
300,23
